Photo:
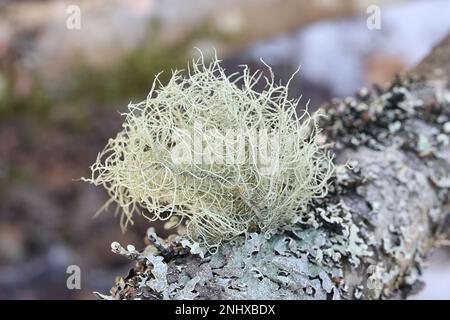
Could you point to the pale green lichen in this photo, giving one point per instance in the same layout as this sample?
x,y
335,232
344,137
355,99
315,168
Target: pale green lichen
x,y
174,156
338,247
305,259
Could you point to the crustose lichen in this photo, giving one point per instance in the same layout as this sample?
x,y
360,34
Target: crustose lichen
x,y
217,155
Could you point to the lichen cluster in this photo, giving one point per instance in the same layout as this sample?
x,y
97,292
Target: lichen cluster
x,y
305,259
408,126
371,119
358,242
171,158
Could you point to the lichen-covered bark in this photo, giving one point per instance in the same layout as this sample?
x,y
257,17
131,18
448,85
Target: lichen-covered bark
x,y
387,209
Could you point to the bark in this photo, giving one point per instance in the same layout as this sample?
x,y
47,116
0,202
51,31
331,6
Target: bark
x,y
367,239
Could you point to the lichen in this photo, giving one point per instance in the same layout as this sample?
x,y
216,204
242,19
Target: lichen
x,y
400,117
175,157
305,259
355,242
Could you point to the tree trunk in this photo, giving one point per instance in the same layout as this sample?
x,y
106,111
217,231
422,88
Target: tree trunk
x,y
367,239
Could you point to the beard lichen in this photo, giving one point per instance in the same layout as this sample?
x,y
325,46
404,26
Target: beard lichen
x,y
222,158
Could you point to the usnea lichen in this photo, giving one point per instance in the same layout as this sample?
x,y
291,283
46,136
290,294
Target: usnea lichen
x,y
217,155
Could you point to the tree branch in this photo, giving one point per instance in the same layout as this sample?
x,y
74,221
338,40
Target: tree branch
x,y
387,209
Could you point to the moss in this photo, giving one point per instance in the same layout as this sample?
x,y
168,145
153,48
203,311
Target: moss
x,y
130,79
126,80
86,87
36,103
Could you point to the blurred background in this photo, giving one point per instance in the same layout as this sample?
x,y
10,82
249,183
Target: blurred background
x,y
67,68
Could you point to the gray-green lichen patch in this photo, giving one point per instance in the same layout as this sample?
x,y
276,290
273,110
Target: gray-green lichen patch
x,y
402,139
372,118
305,259
411,116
